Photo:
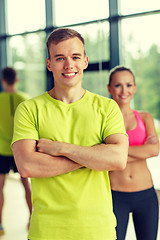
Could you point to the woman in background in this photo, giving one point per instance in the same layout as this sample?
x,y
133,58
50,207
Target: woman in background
x,y
132,188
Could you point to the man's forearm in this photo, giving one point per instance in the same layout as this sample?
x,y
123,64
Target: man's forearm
x,y
42,165
35,164
100,157
111,155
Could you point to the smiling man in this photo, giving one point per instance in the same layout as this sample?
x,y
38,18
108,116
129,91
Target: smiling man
x,y
69,138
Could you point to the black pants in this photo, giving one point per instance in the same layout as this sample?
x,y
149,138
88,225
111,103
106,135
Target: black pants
x,y
144,207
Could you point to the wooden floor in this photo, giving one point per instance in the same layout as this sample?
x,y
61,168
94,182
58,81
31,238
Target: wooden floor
x,y
16,214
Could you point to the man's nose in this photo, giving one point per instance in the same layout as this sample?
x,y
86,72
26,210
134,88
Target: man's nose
x,y
68,64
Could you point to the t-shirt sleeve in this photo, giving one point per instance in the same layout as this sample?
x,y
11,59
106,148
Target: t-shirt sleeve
x,y
25,123
114,122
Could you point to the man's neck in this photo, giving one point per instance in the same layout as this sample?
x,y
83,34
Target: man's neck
x,y
10,89
67,96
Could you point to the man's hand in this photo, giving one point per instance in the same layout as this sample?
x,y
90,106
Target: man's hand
x,y
49,147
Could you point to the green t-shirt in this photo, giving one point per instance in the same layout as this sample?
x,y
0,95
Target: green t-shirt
x,y
8,105
76,205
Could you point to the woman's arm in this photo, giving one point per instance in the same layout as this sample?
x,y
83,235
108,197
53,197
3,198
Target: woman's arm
x,y
151,146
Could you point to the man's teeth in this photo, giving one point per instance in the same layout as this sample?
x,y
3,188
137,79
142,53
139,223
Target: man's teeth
x,y
69,74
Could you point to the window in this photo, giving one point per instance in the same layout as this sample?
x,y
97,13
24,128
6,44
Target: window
x,y
72,12
136,6
96,82
25,16
27,55
96,37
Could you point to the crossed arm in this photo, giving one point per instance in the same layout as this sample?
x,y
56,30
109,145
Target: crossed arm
x,y
151,146
55,158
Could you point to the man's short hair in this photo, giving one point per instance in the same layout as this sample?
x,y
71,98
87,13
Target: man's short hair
x,y
62,34
9,75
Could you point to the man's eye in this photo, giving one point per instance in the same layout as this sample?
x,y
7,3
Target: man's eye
x,y
129,85
76,58
117,85
59,59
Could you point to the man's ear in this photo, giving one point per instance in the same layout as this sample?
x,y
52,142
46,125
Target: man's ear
x,y
86,62
17,79
3,82
48,64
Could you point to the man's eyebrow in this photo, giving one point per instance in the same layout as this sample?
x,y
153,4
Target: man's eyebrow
x,y
62,55
77,54
58,55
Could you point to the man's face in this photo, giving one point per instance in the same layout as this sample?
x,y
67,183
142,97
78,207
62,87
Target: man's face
x,y
67,62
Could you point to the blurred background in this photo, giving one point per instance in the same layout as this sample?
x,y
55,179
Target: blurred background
x,y
116,32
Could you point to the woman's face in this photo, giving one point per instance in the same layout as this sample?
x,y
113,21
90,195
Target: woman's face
x,y
122,87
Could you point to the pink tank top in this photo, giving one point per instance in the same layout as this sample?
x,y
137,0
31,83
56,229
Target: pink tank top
x,y
138,135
